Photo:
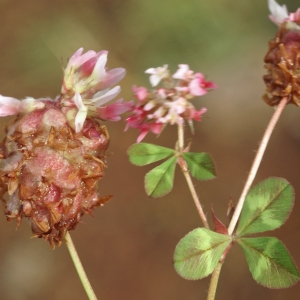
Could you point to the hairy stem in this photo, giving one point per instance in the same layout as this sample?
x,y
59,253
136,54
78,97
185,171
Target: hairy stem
x,y
251,176
256,163
80,270
214,281
188,178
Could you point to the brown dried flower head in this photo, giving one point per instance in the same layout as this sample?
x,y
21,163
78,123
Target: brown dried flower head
x,y
54,152
282,60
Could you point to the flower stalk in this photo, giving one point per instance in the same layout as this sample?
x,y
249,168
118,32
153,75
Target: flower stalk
x,y
80,270
188,178
214,281
256,162
253,171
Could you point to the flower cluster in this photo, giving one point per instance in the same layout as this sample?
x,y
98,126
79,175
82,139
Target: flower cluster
x,y
54,151
169,104
86,88
283,57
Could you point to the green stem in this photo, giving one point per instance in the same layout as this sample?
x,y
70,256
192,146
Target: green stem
x,y
188,178
214,281
82,275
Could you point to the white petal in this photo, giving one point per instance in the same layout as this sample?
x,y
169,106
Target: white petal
x,y
151,71
99,94
99,69
181,72
154,80
79,120
107,96
78,102
278,13
149,105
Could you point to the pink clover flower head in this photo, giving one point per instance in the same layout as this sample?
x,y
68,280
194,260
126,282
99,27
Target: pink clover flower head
x,y
86,86
279,15
169,103
158,74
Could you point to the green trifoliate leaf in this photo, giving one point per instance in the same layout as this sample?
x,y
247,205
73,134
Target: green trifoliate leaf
x,y
143,154
159,181
269,262
200,165
198,253
267,206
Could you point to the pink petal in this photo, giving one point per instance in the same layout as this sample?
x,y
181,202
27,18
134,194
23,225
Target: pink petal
x,y
111,77
9,106
196,89
77,59
295,17
140,93
142,135
113,111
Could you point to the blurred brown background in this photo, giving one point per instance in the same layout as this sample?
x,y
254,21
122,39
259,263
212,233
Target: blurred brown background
x,y
127,247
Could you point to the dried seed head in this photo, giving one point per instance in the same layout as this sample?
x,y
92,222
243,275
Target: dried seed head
x,y
283,65
54,152
50,172
282,60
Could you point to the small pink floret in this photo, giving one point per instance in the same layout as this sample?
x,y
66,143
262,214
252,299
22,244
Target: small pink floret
x,y
140,93
198,86
113,111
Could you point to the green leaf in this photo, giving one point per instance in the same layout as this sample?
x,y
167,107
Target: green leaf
x,y
198,253
200,165
269,262
159,181
267,206
143,154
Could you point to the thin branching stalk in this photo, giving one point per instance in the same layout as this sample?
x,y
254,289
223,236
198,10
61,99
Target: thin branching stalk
x,y
256,163
80,270
188,178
